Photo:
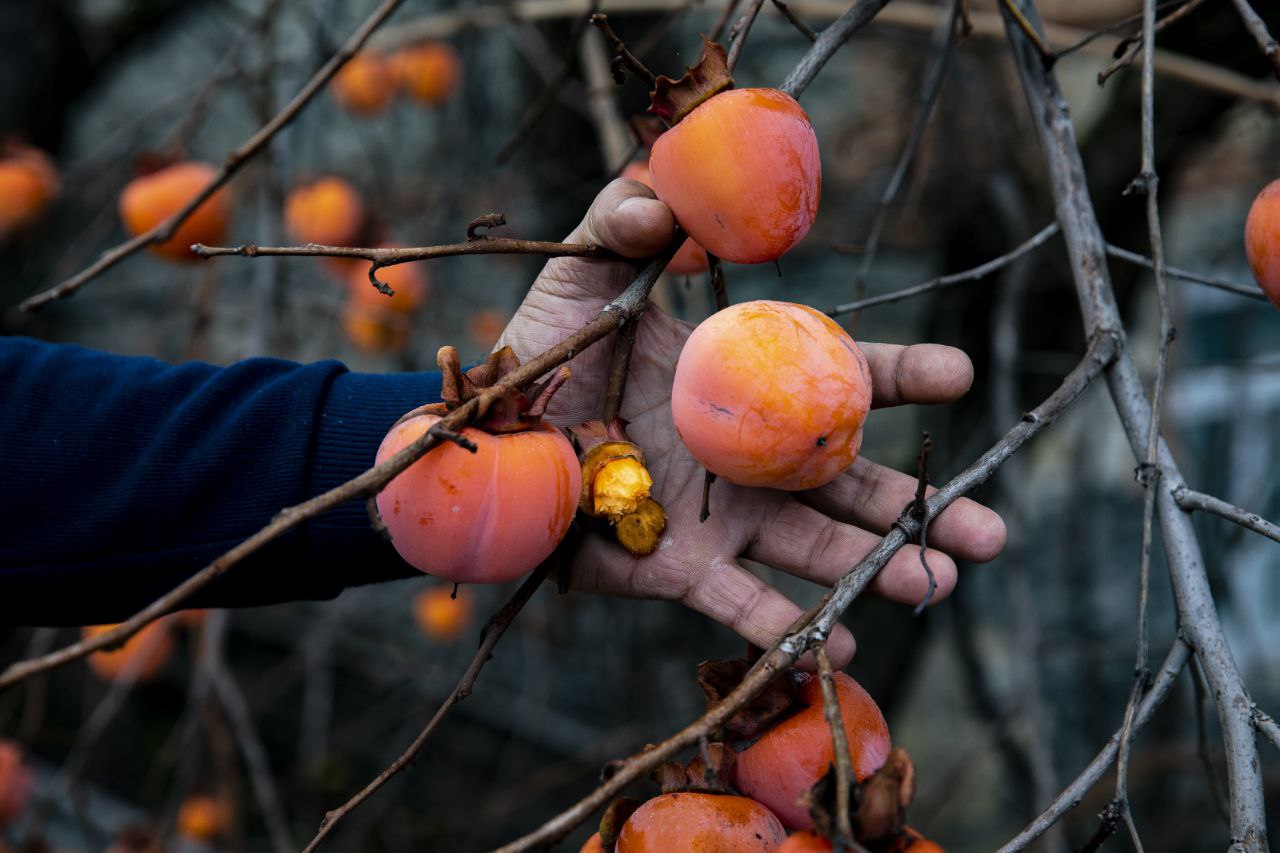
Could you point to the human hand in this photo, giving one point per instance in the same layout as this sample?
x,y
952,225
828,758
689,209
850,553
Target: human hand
x,y
817,535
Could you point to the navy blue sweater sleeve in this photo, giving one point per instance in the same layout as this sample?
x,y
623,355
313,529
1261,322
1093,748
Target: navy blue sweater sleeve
x,y
121,476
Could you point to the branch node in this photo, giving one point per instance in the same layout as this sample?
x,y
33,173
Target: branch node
x,y
489,220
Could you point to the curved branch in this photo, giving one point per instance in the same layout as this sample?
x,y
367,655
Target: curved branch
x,y
1191,500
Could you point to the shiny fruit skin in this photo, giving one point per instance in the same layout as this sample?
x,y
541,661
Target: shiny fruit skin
x,y
741,173
28,183
805,841
1262,240
442,616
203,817
16,781
151,199
771,394
484,517
700,823
365,85
144,654
690,258
795,753
594,844
328,211
428,72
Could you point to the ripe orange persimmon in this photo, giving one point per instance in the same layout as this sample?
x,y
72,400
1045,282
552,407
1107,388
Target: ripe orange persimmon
x,y
28,183
16,780
443,615
328,211
795,753
203,817
700,823
911,841
594,844
365,85
690,258
741,173
1262,240
771,394
151,199
428,72
143,655
483,517
805,841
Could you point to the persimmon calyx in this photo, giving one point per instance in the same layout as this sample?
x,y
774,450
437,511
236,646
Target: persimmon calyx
x,y
707,773
672,100
878,812
512,410
718,678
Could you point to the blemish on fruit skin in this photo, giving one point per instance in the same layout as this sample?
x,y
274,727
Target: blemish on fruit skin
x,y
425,519
822,441
395,508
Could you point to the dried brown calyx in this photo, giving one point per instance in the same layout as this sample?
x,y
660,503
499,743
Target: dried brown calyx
x,y
707,773
616,484
672,100
718,678
879,804
511,410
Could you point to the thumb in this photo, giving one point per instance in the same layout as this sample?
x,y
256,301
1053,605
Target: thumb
x,y
627,219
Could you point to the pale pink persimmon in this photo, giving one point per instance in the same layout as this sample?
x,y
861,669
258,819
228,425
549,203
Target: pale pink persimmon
x,y
1262,240
771,394
741,173
795,753
151,199
483,517
690,258
701,823
327,211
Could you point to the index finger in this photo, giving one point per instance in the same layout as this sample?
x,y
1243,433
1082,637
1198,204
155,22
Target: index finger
x,y
921,373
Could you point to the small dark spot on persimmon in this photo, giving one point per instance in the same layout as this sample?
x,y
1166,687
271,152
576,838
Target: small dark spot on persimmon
x,y
822,441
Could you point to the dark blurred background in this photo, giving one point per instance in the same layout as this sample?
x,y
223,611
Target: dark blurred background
x,y
1002,693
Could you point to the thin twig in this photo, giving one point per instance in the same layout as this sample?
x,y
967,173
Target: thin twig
x,y
720,291
1258,29
845,778
1196,278
391,257
1267,726
235,160
738,35
723,21
489,636
1191,500
1033,36
1071,795
928,100
817,623
1107,823
620,51
805,30
1131,47
967,276
619,367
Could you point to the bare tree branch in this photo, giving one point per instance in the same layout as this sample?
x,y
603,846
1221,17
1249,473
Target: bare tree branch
x,y
1192,500
1258,29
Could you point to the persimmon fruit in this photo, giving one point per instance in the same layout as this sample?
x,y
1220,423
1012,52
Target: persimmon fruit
x,y
771,394
151,199
28,184
741,173
16,780
1262,240
327,211
484,517
203,817
805,841
593,845
790,756
427,72
365,85
700,823
443,615
690,258
143,655
910,841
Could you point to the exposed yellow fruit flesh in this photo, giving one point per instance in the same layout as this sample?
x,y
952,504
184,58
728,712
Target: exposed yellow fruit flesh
x,y
640,531
620,485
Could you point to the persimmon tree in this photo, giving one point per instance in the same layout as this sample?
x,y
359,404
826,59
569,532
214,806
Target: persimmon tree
x,y
362,72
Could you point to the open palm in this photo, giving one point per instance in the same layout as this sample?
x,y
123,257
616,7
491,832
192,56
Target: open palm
x,y
817,535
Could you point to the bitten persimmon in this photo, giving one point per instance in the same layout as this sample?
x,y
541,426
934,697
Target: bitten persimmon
x,y
793,754
327,211
805,841
771,394
16,780
700,823
1262,240
151,199
203,817
365,85
741,173
483,517
28,183
143,655
442,614
690,258
427,72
